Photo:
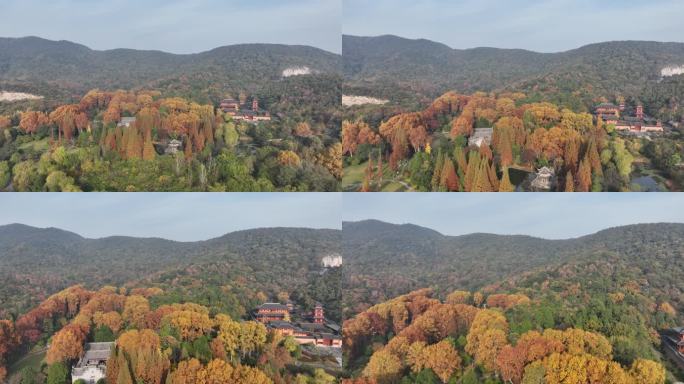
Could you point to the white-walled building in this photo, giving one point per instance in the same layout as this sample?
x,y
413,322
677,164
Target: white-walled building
x,y
93,365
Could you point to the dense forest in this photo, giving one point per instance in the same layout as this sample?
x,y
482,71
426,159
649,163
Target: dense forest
x,y
169,343
84,146
73,139
492,338
230,274
420,69
385,260
600,284
59,69
539,105
432,149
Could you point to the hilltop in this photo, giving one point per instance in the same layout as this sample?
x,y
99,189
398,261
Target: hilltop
x,y
622,284
381,66
401,258
37,262
63,68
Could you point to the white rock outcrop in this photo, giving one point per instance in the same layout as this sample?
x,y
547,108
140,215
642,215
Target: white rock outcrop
x,y
297,71
331,261
17,96
672,70
350,100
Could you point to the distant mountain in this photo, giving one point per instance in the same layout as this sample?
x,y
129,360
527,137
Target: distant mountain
x,y
35,262
378,64
26,62
384,260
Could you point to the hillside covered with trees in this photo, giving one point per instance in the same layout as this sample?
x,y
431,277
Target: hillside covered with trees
x,y
169,343
387,148
59,69
385,260
79,135
417,69
485,338
86,147
623,283
231,274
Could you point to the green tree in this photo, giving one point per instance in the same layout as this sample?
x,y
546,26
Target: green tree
x,y
28,375
426,376
470,377
230,135
103,334
57,374
321,377
4,174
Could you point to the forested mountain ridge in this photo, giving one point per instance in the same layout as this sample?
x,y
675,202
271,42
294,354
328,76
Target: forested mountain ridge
x,y
622,285
400,259
37,262
79,68
294,90
501,338
605,69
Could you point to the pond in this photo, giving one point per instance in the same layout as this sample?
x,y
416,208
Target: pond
x,y
518,176
648,184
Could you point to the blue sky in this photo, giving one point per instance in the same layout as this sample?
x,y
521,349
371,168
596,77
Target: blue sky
x,y
178,26
176,216
547,215
539,25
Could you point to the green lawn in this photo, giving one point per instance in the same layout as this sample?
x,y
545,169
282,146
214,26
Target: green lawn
x,y
33,359
393,186
353,178
354,174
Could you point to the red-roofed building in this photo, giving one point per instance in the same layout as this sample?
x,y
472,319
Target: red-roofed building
x,y
269,312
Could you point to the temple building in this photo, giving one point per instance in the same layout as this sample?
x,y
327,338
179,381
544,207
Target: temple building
x,y
310,328
244,112
318,315
608,111
544,179
675,337
126,122
480,136
173,146
636,122
92,367
269,312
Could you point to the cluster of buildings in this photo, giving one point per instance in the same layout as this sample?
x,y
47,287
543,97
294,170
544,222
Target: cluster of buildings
x,y
92,367
310,328
625,120
243,111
